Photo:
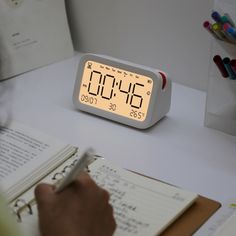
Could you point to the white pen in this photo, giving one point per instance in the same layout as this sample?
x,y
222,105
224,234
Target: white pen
x,y
80,165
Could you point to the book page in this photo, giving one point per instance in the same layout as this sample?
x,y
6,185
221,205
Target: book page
x,y
17,149
228,228
29,221
25,155
142,206
28,39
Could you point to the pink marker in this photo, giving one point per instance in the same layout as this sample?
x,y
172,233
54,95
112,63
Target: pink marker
x,y
226,28
219,63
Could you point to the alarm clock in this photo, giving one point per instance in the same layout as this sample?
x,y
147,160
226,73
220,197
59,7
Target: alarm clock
x,y
121,91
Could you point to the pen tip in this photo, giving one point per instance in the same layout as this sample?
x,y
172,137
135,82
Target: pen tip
x,y
206,24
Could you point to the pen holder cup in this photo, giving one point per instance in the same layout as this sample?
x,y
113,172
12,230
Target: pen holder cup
x,y
221,105
227,47
220,112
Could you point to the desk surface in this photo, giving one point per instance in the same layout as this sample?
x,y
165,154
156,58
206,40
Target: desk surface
x,y
178,150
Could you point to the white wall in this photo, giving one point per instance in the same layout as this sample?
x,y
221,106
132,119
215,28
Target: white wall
x,y
165,34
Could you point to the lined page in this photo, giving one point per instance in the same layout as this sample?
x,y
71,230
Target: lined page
x,y
228,228
29,222
26,155
142,206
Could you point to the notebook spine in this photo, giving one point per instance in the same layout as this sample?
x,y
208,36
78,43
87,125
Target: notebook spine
x,y
22,206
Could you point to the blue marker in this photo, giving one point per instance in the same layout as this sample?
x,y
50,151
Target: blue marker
x,y
216,17
232,31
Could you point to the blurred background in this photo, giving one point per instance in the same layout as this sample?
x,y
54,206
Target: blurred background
x,y
163,34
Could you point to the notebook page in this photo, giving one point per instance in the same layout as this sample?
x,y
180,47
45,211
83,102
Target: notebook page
x,y
30,226
29,222
228,228
142,206
23,151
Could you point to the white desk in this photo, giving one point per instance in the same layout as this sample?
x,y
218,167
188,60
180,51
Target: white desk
x,y
179,149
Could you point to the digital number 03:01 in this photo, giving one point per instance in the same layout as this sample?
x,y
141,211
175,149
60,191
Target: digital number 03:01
x,y
121,91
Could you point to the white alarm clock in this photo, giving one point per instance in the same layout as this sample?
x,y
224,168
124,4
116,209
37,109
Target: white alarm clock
x,y
121,91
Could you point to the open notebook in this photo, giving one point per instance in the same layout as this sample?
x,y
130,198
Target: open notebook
x,y
142,206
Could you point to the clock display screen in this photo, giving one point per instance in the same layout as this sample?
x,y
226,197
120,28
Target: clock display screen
x,y
115,90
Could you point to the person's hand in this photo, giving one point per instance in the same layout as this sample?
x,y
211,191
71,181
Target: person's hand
x,y
82,209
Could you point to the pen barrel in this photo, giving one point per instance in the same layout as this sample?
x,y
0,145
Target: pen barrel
x,y
208,27
82,163
219,63
233,65
216,17
229,69
227,19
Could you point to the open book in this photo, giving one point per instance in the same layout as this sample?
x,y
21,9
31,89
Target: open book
x,y
32,34
142,206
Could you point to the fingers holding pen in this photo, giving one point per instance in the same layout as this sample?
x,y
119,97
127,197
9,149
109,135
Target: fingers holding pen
x,y
82,208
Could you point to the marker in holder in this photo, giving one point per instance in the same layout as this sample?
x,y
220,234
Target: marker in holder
x,y
220,112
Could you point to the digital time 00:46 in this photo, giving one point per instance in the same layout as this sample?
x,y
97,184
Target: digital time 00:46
x,y
115,90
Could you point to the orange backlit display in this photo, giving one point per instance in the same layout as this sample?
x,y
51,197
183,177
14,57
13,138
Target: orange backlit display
x,y
115,90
